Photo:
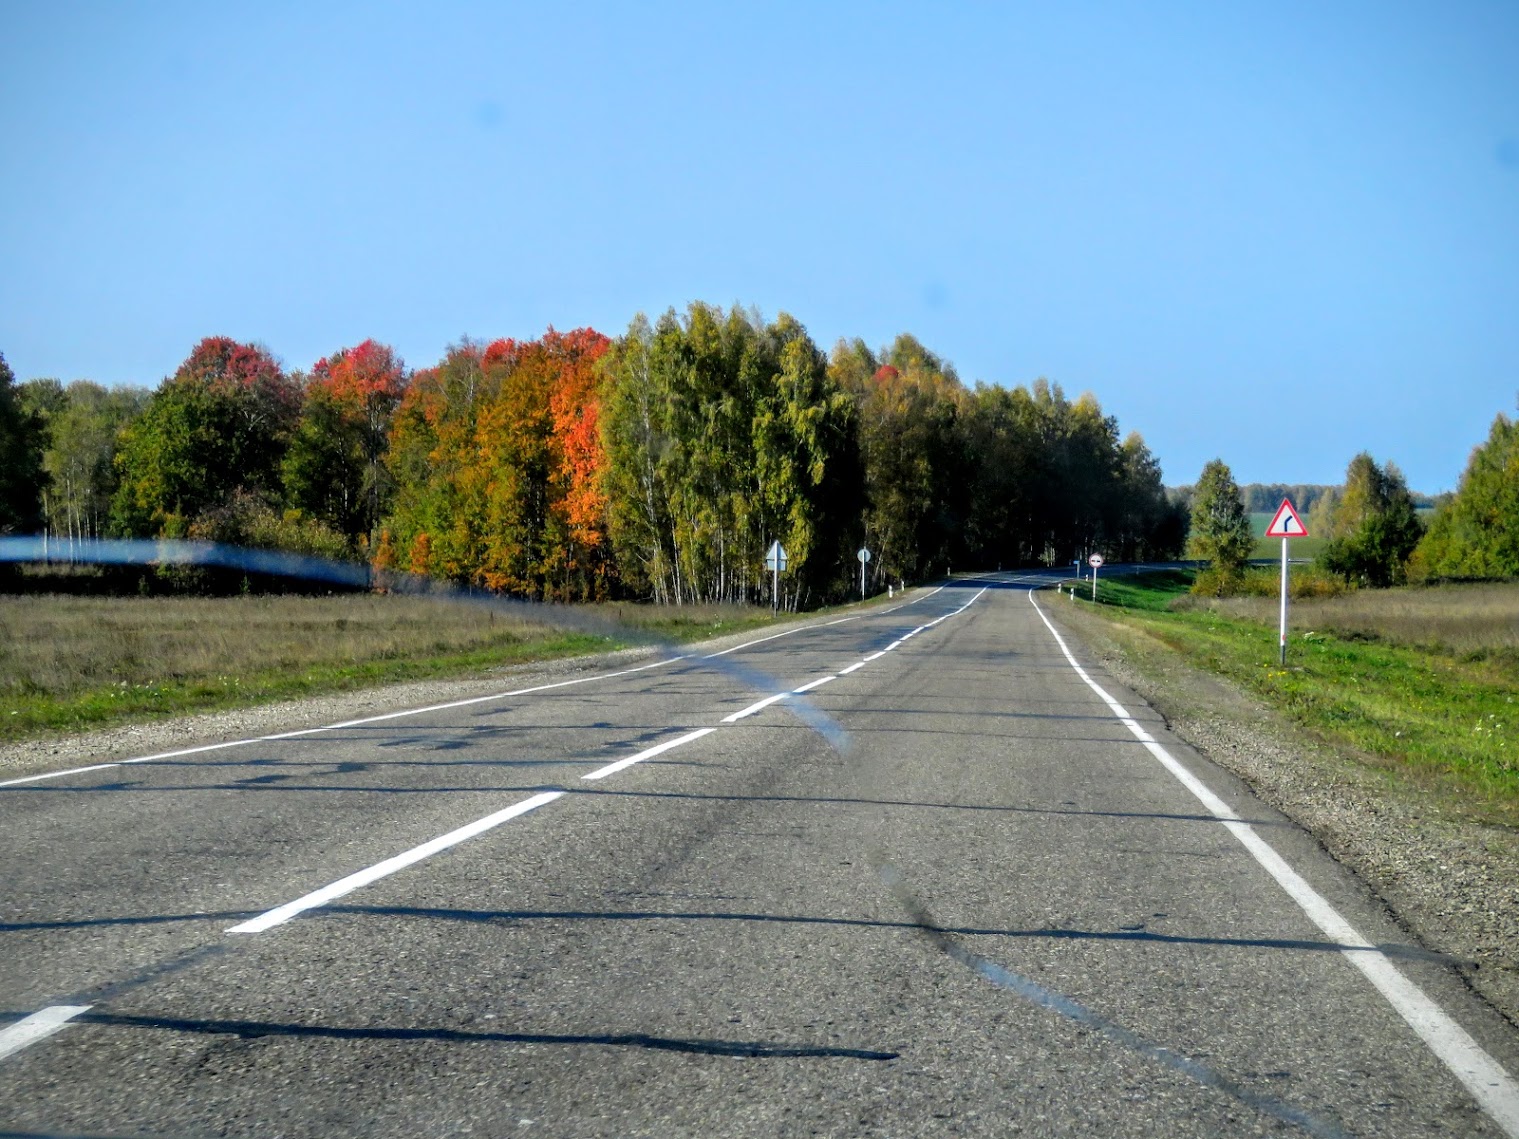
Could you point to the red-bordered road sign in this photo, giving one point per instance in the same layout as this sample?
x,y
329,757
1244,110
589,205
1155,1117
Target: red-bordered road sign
x,y
1286,524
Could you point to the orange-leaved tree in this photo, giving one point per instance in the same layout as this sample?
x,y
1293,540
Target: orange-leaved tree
x,y
497,458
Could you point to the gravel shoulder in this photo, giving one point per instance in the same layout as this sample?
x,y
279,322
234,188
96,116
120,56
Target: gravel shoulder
x,y
1452,882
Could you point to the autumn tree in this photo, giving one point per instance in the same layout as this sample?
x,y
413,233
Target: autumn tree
x,y
335,468
1373,527
433,525
497,462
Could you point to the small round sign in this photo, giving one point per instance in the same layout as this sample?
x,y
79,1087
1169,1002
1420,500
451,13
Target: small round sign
x,y
1095,560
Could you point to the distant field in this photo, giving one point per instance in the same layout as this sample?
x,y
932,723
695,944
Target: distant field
x,y
1309,547
1423,681
1272,547
74,662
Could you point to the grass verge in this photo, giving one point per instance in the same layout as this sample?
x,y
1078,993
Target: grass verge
x,y
1432,713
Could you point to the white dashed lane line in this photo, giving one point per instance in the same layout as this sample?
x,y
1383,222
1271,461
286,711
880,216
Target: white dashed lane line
x,y
39,1026
648,753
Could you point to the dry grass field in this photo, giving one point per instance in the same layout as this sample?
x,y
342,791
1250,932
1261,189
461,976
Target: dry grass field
x,y
1472,622
68,662
63,645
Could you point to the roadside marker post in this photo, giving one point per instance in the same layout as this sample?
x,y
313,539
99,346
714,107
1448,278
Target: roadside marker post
x,y
1095,561
1286,526
864,556
775,562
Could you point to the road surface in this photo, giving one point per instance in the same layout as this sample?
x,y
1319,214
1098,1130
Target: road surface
x,y
963,884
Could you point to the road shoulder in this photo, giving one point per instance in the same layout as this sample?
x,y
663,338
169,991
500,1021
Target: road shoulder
x,y
1452,882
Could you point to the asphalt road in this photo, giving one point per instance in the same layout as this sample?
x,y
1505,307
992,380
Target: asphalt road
x,y
960,889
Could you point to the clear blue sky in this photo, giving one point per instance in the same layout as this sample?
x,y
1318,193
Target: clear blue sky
x,y
1279,233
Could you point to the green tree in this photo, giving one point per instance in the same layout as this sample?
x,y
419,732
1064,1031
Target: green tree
x,y
807,466
1221,533
1374,526
334,469
911,447
83,427
1476,534
723,434
220,424
23,438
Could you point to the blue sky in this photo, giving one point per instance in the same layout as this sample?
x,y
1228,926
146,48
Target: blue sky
x,y
1276,233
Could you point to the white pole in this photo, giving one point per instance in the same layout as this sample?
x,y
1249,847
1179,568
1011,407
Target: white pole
x,y
862,579
1284,601
775,588
1094,583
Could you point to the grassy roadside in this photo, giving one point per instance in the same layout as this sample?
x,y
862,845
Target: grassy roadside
x,y
1435,710
74,663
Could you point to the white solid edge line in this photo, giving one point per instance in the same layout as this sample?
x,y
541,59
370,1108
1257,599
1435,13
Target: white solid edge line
x,y
345,723
352,882
755,707
38,1026
1490,1085
647,753
811,684
851,668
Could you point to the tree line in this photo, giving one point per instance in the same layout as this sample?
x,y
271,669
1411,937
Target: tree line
x,y
1371,523
576,466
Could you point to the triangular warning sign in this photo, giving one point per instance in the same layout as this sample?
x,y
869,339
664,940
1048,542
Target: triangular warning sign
x,y
1286,524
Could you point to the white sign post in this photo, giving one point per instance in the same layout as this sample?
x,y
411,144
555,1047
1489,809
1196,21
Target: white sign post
x,y
864,556
1095,561
775,562
1286,525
